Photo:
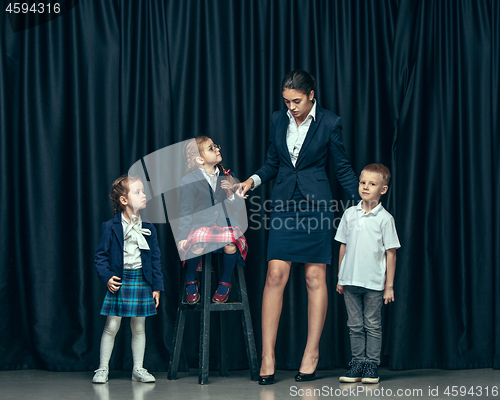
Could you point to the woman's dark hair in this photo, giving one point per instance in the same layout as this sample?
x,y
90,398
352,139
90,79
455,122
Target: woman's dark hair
x,y
299,80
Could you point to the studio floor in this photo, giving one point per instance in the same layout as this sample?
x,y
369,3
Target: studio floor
x,y
422,384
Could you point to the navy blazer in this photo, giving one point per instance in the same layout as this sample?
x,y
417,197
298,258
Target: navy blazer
x,y
109,254
198,197
324,136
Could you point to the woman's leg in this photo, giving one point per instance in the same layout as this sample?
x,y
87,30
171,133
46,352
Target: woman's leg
x,y
317,294
108,340
272,302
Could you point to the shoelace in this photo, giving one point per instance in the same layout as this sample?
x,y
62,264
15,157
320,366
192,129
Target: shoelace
x,y
101,371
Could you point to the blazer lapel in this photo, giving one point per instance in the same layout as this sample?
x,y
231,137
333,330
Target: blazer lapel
x,y
310,133
118,228
202,180
220,178
281,131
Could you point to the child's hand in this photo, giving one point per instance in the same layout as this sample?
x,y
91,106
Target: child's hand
x,y
388,295
156,297
114,284
228,188
340,288
182,244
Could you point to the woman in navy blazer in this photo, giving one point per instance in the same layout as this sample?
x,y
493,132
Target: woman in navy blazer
x,y
301,229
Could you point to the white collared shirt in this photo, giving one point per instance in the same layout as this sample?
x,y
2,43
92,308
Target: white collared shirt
x,y
131,252
367,236
211,178
295,137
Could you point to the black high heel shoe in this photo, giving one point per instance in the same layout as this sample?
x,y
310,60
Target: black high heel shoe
x,y
267,379
300,377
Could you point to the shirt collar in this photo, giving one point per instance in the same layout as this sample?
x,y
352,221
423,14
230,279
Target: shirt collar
x,y
312,113
373,211
216,173
132,219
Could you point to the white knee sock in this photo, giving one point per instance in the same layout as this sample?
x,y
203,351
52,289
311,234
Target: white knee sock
x,y
138,326
108,339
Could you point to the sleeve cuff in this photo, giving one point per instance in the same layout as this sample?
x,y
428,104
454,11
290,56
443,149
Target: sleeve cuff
x,y
256,181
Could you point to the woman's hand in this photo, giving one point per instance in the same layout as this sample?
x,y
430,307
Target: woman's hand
x,y
182,245
114,284
245,187
156,297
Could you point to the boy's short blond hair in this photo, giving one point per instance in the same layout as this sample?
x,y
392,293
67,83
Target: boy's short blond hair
x,y
384,172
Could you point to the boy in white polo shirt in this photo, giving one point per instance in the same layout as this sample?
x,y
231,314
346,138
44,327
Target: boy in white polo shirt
x,y
367,263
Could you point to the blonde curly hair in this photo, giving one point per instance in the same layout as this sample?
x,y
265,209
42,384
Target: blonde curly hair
x,y
194,149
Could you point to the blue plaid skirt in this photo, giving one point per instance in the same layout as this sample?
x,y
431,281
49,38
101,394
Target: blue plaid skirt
x,y
134,299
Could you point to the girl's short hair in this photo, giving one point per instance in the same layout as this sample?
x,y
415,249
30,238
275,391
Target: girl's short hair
x,y
299,80
380,169
119,188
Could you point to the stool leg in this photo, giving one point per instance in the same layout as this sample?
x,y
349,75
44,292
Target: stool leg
x,y
180,322
247,327
205,322
223,348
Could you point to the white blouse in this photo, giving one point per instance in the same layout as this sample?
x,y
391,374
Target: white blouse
x,y
295,136
133,242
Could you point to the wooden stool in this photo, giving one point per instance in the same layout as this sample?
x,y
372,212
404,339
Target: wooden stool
x,y
205,306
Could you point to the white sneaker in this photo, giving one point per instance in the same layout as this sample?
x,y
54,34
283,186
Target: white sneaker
x,y
101,375
142,375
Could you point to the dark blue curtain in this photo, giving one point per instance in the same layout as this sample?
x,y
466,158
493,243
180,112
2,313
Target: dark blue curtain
x,y
85,95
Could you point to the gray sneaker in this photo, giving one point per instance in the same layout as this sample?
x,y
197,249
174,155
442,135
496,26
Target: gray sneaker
x,y
101,375
142,375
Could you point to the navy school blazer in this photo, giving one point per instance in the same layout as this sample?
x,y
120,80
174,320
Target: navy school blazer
x,y
109,254
210,207
324,136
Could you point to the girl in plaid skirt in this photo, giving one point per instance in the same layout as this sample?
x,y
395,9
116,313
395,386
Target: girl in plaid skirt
x,y
209,214
128,263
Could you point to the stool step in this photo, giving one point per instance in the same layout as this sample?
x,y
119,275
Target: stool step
x,y
205,307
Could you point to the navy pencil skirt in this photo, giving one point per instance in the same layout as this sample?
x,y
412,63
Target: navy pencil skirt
x,y
301,231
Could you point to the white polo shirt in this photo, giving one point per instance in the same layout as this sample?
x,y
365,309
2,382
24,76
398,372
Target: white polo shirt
x,y
367,236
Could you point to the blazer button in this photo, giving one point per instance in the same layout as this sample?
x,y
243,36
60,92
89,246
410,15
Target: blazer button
x,y
215,201
294,172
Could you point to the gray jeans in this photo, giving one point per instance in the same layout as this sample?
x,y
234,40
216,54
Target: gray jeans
x,y
364,308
